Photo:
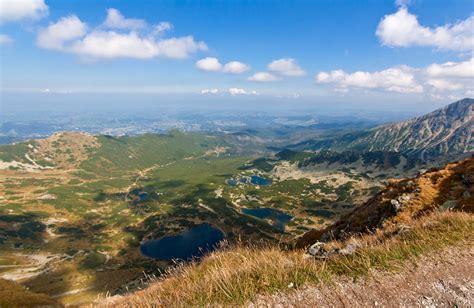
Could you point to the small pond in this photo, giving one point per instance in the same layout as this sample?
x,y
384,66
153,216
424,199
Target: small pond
x,y
253,179
258,180
279,218
193,243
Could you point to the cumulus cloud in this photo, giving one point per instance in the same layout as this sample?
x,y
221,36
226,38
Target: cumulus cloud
x,y
55,35
5,39
70,34
444,85
463,69
17,10
115,20
436,80
235,67
162,27
209,91
263,77
110,44
209,64
212,64
396,79
179,47
239,91
286,67
451,76
402,29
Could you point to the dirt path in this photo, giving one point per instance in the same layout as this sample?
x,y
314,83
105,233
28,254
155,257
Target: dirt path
x,y
141,174
38,264
446,279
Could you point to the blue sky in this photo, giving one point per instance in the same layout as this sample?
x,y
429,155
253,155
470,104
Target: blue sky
x,y
402,52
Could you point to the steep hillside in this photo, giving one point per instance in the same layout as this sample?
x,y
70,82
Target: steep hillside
x,y
446,131
451,187
443,131
15,295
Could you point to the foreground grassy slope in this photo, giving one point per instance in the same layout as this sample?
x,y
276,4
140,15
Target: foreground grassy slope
x,y
239,274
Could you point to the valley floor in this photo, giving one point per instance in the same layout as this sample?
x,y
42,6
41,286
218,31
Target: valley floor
x,y
443,279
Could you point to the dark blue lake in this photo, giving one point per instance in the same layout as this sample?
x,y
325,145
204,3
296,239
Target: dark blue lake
x,y
193,243
279,218
258,180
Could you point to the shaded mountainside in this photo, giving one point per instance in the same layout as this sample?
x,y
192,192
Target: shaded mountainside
x,y
381,160
446,131
449,188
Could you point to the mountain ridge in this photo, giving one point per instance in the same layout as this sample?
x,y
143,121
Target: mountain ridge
x,y
447,131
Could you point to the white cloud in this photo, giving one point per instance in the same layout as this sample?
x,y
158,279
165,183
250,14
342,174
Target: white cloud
x,y
444,85
212,64
263,77
436,80
209,64
451,76
239,91
286,67
209,91
235,67
16,10
179,47
5,39
110,44
55,35
69,34
463,69
162,27
402,29
115,20
396,79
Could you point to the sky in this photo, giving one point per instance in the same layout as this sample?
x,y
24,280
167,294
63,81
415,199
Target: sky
x,y
359,53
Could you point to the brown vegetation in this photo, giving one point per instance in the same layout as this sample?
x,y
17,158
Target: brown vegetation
x,y
450,188
15,295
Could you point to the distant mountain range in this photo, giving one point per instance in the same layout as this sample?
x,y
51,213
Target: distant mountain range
x,y
446,131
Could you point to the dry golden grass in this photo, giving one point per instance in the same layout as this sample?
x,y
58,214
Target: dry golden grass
x,y
238,274
15,295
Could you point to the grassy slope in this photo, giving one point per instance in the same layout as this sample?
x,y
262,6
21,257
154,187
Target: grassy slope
x,y
119,154
237,275
15,295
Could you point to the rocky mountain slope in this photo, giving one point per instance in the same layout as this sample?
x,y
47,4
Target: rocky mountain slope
x,y
449,188
446,131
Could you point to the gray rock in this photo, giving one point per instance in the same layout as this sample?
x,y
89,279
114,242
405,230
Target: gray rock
x,y
396,205
316,249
